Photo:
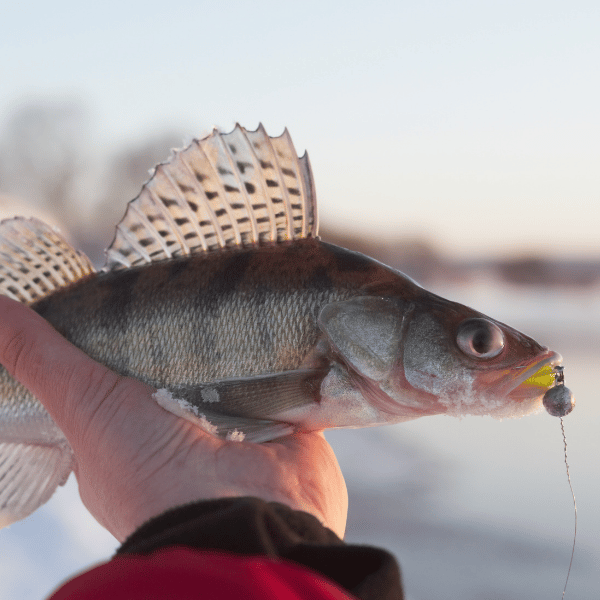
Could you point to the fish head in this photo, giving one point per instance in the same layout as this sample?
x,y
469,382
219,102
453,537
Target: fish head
x,y
425,355
472,363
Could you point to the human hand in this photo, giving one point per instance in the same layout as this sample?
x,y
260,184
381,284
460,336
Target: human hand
x,y
134,460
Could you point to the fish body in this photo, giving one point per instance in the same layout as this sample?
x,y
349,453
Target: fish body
x,y
218,292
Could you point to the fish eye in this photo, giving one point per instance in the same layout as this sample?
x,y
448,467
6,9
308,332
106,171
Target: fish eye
x,y
480,338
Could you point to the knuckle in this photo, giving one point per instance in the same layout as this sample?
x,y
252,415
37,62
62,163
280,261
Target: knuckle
x,y
87,392
16,352
90,386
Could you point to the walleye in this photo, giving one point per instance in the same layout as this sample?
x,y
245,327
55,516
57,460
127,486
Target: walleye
x,y
218,292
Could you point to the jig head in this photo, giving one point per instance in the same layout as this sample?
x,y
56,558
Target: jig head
x,y
559,400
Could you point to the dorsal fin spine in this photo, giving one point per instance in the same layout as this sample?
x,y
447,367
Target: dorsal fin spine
x,y
304,191
243,192
134,243
213,217
286,196
308,185
116,256
222,191
198,190
168,218
184,204
300,179
301,186
167,214
144,219
265,192
308,225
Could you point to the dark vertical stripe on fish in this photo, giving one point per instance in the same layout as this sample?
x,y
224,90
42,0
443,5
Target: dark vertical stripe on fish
x,y
116,310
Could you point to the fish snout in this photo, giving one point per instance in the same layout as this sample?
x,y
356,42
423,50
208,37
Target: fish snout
x,y
536,378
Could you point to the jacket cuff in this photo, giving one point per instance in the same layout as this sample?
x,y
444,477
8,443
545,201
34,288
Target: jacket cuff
x,y
250,526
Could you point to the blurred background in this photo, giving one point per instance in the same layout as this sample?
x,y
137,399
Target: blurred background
x,y
457,141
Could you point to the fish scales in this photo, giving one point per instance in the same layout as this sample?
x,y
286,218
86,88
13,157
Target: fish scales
x,y
201,318
218,292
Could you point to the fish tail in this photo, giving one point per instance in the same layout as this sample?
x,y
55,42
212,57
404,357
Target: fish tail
x,y
35,458
29,475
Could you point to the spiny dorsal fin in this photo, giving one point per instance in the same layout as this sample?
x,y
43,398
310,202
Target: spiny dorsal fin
x,y
237,189
35,260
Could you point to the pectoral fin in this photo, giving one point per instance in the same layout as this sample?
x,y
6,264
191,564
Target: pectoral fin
x,y
249,405
259,397
224,426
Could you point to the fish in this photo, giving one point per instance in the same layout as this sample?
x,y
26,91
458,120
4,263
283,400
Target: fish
x,y
218,292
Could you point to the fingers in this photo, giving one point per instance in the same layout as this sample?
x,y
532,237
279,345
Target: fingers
x,y
70,384
28,345
35,354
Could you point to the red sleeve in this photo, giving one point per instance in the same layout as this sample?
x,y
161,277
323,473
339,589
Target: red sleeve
x,y
186,574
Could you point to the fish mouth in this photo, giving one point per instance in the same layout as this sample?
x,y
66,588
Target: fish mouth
x,y
534,379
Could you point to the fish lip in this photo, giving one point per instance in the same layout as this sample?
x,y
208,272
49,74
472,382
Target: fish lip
x,y
513,386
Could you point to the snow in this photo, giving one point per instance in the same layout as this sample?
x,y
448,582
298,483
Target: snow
x,y
235,436
209,394
183,408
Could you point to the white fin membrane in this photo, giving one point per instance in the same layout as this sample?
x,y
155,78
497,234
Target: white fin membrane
x,y
29,475
35,260
238,189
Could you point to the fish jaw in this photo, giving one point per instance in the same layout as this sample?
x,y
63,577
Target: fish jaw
x,y
518,391
534,380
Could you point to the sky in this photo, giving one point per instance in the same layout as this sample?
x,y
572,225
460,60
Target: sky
x,y
473,123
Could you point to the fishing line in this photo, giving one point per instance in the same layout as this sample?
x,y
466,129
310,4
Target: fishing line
x,y
562,428
559,401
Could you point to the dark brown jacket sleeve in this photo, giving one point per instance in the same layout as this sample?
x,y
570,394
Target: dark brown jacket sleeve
x,y
250,526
